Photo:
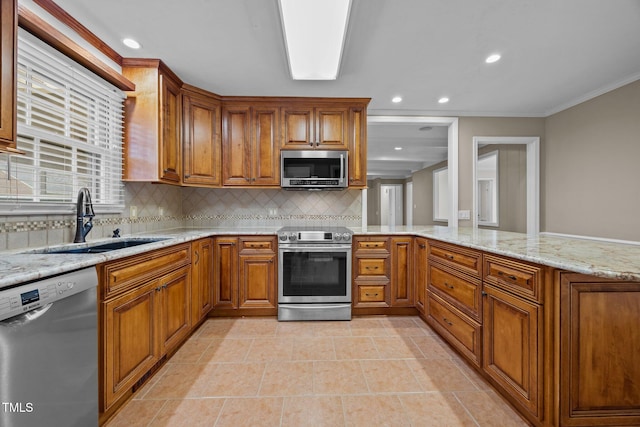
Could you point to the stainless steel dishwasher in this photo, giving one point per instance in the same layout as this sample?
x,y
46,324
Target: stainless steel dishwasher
x,y
49,352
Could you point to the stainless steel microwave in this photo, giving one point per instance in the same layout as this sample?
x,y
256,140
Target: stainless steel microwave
x,y
314,169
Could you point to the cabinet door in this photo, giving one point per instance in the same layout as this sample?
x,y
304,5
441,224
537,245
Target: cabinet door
x,y
420,269
265,155
331,128
8,63
175,313
129,340
170,147
297,127
257,281
401,272
358,147
201,280
599,351
202,139
225,256
513,346
236,145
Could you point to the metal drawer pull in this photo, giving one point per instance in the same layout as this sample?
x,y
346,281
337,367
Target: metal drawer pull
x,y
447,321
371,268
508,276
369,295
448,285
451,257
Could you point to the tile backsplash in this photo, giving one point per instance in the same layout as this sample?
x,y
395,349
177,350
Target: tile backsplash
x,y
159,207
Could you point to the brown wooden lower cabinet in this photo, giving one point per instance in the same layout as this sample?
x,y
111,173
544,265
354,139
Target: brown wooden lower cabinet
x,y
144,314
599,351
175,308
461,331
513,347
201,279
130,344
420,273
245,280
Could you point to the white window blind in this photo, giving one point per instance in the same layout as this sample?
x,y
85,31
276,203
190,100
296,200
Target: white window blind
x,y
70,124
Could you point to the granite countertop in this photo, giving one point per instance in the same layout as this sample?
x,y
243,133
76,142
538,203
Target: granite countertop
x,y
609,260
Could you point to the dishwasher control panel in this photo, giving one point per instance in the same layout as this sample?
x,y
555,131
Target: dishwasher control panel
x,y
28,297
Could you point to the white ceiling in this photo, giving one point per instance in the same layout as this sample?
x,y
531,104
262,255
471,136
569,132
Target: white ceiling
x,y
555,53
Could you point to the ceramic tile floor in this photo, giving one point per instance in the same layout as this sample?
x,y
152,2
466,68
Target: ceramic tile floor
x,y
371,371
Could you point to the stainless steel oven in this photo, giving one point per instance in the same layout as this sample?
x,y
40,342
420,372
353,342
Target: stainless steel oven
x,y
314,273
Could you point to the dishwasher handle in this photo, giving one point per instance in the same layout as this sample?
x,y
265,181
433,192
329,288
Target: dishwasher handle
x,y
26,318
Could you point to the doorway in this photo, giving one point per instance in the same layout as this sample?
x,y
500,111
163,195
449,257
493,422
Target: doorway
x,y
391,204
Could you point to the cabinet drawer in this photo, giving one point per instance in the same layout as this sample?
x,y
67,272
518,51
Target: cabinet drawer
x,y
459,330
371,244
374,267
258,244
462,293
515,276
126,273
463,259
371,293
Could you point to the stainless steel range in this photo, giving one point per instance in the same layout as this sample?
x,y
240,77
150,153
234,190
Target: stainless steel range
x,y
314,273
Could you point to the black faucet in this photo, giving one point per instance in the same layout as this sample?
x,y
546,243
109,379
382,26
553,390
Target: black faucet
x,y
84,209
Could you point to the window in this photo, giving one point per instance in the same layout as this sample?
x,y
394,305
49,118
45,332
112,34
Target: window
x,y
487,189
70,125
441,194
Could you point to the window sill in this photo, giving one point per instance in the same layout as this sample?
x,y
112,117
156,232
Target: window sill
x,y
22,209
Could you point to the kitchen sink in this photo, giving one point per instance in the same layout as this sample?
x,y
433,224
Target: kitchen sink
x,y
103,247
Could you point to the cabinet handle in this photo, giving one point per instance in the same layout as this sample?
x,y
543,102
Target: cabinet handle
x,y
197,258
371,268
370,295
448,285
483,293
159,288
187,176
423,246
449,256
508,276
165,171
447,321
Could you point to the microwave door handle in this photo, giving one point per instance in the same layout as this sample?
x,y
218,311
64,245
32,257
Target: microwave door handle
x,y
341,168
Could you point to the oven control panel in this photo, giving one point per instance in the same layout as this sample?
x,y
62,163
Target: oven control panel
x,y
338,235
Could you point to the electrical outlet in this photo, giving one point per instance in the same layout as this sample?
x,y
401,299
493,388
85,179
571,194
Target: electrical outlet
x,y
133,211
465,214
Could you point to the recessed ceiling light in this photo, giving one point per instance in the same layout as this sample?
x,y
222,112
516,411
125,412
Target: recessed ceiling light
x,y
131,43
492,58
443,100
397,148
396,99
314,34
425,128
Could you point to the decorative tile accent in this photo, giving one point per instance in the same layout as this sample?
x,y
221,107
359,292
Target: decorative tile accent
x,y
191,207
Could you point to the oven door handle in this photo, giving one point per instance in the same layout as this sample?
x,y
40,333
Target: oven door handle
x,y
315,248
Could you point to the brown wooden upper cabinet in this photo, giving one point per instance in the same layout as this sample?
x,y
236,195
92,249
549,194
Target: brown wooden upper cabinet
x,y
153,148
329,124
309,127
201,138
8,64
250,152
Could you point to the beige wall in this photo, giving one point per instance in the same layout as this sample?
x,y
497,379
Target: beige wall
x,y
591,167
468,127
423,195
